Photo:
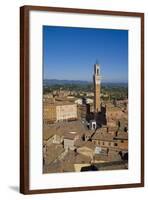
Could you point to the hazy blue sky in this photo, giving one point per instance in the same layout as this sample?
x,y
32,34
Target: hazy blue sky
x,y
70,53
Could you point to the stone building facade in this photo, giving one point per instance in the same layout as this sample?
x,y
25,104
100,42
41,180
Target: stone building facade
x,y
53,112
66,112
49,113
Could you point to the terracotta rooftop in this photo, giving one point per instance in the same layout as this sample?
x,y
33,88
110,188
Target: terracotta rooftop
x,y
75,158
100,157
112,128
79,143
122,136
53,151
48,132
82,159
112,165
63,128
101,130
104,137
70,135
89,145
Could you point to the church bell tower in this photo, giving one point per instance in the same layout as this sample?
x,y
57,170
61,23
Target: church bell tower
x,y
97,82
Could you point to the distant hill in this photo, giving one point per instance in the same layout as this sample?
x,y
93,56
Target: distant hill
x,y
50,82
111,84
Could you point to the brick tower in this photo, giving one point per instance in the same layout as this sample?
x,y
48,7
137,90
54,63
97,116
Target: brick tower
x,y
97,82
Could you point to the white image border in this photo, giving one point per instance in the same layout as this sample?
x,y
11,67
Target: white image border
x,y
37,179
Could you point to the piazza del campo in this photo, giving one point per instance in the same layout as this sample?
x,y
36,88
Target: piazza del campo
x,y
84,130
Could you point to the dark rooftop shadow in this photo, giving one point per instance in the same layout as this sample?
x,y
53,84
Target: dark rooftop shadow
x,y
89,168
14,188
